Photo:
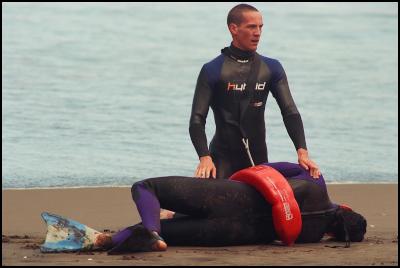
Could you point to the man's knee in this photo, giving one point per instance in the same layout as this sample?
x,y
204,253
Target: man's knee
x,y
149,184
135,189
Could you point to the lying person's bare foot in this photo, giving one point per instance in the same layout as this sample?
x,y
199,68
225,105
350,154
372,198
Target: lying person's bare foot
x,y
159,245
166,214
103,241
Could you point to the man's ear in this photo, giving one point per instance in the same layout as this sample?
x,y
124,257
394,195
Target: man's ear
x,y
233,28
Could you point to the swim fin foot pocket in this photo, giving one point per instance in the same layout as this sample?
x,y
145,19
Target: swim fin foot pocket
x,y
140,240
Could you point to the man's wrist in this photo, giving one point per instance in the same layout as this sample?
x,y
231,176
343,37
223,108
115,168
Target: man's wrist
x,y
302,152
205,157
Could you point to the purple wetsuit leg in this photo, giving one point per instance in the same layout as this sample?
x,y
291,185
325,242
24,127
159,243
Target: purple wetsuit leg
x,y
148,206
120,236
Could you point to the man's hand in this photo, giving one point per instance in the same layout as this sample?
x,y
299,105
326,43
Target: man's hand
x,y
307,163
206,168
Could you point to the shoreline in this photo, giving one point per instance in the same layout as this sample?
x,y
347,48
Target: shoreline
x,y
112,208
126,186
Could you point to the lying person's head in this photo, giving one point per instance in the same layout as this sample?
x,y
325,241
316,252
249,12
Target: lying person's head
x,y
348,225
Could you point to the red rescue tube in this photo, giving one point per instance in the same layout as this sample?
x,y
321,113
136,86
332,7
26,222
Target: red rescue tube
x,y
277,191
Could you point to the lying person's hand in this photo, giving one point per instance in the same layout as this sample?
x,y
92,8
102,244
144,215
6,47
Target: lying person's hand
x,y
206,168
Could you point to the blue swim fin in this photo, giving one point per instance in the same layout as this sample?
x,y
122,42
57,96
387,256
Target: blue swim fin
x,y
65,235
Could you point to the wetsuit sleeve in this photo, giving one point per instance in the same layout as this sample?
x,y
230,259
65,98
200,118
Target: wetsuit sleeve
x,y
200,106
291,116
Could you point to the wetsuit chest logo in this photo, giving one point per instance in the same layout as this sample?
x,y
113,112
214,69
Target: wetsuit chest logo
x,y
237,87
242,87
260,86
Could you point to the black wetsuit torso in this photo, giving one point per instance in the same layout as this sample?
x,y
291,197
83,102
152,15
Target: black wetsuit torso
x,y
238,105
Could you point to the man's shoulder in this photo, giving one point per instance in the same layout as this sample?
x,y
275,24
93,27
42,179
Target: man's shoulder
x,y
212,69
215,63
275,66
271,62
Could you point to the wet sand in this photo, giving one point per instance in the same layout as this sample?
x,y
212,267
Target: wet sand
x,y
23,231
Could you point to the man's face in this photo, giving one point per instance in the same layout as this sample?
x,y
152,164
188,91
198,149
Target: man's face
x,y
247,35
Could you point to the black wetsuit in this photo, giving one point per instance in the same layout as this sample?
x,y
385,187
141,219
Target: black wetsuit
x,y
238,100
225,212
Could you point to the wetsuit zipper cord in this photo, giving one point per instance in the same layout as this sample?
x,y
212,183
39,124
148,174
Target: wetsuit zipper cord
x,y
246,146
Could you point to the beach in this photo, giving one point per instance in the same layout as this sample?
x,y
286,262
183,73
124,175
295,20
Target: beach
x,y
99,96
23,231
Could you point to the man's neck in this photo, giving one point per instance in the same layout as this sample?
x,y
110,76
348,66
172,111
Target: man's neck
x,y
239,53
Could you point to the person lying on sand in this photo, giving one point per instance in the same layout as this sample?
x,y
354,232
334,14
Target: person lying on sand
x,y
228,213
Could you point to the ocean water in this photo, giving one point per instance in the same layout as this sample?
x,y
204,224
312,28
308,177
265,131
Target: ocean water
x,y
99,94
